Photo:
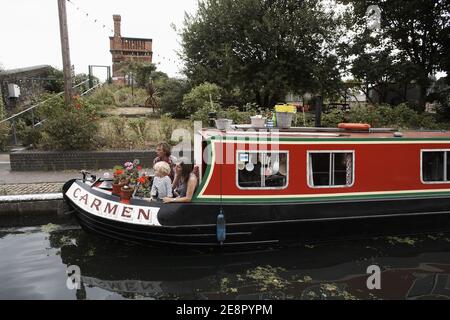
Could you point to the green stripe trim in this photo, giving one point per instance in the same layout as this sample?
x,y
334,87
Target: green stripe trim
x,y
271,199
206,175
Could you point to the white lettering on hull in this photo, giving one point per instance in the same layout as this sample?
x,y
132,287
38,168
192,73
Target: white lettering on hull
x,y
111,210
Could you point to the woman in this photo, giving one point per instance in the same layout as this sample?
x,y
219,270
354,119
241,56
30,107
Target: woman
x,y
164,153
185,182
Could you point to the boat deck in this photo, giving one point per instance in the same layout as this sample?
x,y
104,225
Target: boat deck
x,y
326,133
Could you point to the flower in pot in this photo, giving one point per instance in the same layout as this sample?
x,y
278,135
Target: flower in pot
x,y
127,193
120,180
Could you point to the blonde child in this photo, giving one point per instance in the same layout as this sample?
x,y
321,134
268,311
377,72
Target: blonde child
x,y
162,184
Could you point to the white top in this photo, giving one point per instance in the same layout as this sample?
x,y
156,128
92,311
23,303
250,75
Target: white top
x,y
162,187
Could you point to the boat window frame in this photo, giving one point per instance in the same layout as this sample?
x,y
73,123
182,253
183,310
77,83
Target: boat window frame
x,y
259,152
445,166
308,173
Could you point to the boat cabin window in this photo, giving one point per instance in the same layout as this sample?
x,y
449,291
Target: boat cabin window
x,y
435,166
262,170
330,169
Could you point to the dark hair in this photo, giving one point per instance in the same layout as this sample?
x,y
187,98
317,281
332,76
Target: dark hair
x,y
186,169
166,148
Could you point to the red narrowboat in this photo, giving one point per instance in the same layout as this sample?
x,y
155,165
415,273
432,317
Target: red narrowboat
x,y
281,186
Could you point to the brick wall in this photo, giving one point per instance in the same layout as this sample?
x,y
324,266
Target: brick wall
x,y
78,160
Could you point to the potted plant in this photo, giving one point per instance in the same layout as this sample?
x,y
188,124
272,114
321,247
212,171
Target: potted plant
x,y
127,193
284,115
120,180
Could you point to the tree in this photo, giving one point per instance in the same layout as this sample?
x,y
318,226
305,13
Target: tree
x,y
418,30
170,92
263,48
201,95
139,71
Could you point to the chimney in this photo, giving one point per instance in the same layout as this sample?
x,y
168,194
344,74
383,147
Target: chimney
x,y
117,22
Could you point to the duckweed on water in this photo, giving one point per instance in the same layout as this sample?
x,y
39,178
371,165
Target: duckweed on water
x,y
267,277
49,228
398,240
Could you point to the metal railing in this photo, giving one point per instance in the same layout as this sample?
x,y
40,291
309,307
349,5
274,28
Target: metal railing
x,y
31,109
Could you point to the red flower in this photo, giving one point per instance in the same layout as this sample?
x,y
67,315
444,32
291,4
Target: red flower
x,y
119,172
142,180
139,168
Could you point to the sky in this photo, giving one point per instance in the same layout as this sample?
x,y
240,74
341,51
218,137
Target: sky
x,y
30,36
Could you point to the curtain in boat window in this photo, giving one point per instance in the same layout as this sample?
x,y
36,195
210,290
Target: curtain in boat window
x,y
330,169
262,170
435,166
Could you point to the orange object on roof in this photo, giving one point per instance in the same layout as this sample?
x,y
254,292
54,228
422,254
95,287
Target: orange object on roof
x,y
354,126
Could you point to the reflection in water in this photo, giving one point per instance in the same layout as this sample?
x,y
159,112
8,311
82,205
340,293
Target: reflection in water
x,y
35,259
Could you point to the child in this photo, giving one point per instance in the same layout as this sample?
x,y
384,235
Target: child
x,y
162,185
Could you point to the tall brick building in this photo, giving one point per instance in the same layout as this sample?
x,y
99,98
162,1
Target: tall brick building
x,y
127,49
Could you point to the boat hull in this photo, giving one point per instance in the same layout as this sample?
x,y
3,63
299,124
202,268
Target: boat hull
x,y
252,224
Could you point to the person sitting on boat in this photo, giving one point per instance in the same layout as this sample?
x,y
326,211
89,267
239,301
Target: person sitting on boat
x,y
162,184
164,153
185,182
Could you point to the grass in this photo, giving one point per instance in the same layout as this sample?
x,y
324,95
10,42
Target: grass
x,y
117,133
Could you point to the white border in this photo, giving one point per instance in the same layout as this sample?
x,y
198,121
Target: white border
x,y
445,166
258,152
308,174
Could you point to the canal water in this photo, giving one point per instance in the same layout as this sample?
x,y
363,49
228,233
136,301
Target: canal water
x,y
34,261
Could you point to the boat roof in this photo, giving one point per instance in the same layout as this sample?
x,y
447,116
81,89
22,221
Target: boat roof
x,y
322,133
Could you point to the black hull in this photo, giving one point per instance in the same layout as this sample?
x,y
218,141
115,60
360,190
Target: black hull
x,y
194,225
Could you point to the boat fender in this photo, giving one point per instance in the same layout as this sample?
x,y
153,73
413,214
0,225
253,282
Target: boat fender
x,y
355,126
221,227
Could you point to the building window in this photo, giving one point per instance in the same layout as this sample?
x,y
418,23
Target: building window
x,y
262,170
435,166
330,169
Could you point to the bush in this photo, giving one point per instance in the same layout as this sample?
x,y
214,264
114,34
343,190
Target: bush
x,y
140,128
200,96
4,136
401,117
166,127
128,97
170,94
4,127
103,97
69,128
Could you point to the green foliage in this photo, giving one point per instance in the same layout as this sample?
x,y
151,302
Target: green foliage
x,y
401,117
233,113
170,92
263,49
200,96
141,72
166,127
69,128
4,127
118,124
129,97
140,128
410,44
103,97
4,136
56,84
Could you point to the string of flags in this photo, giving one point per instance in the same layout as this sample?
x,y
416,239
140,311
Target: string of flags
x,y
159,57
95,20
